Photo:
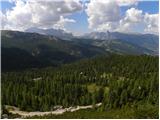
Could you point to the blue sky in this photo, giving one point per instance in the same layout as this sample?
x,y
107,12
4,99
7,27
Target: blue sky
x,y
146,6
81,17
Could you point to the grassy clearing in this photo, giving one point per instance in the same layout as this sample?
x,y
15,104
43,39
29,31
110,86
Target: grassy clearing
x,y
92,88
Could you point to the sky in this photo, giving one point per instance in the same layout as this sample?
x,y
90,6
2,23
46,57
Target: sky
x,y
81,16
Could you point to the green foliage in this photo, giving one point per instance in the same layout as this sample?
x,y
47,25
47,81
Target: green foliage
x,y
144,111
119,82
32,50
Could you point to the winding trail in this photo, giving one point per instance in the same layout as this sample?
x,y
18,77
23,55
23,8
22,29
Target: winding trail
x,y
24,114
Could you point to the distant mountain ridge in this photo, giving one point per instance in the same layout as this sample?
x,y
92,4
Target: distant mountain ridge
x,y
146,41
31,50
53,32
34,50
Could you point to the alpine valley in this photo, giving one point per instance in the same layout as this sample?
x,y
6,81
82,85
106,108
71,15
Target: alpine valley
x,y
49,73
37,49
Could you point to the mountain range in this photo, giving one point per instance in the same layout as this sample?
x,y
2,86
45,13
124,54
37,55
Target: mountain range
x,y
31,50
145,41
53,32
138,43
42,48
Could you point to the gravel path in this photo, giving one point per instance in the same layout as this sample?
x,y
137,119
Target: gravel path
x,y
23,114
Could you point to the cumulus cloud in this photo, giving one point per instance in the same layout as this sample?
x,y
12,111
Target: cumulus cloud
x,y
44,14
133,17
62,22
102,13
2,20
127,2
152,22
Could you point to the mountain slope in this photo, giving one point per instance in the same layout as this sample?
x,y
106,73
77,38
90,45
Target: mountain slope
x,y
139,43
117,46
117,81
46,49
148,42
53,32
43,50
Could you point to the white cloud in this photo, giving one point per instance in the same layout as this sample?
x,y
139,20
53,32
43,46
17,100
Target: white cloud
x,y
2,20
102,13
19,17
133,17
152,22
62,22
127,2
44,14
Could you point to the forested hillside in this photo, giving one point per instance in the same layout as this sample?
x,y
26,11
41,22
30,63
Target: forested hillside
x,y
115,80
148,43
79,59
32,50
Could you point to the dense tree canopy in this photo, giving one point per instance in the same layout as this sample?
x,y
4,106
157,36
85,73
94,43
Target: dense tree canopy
x,y
114,80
